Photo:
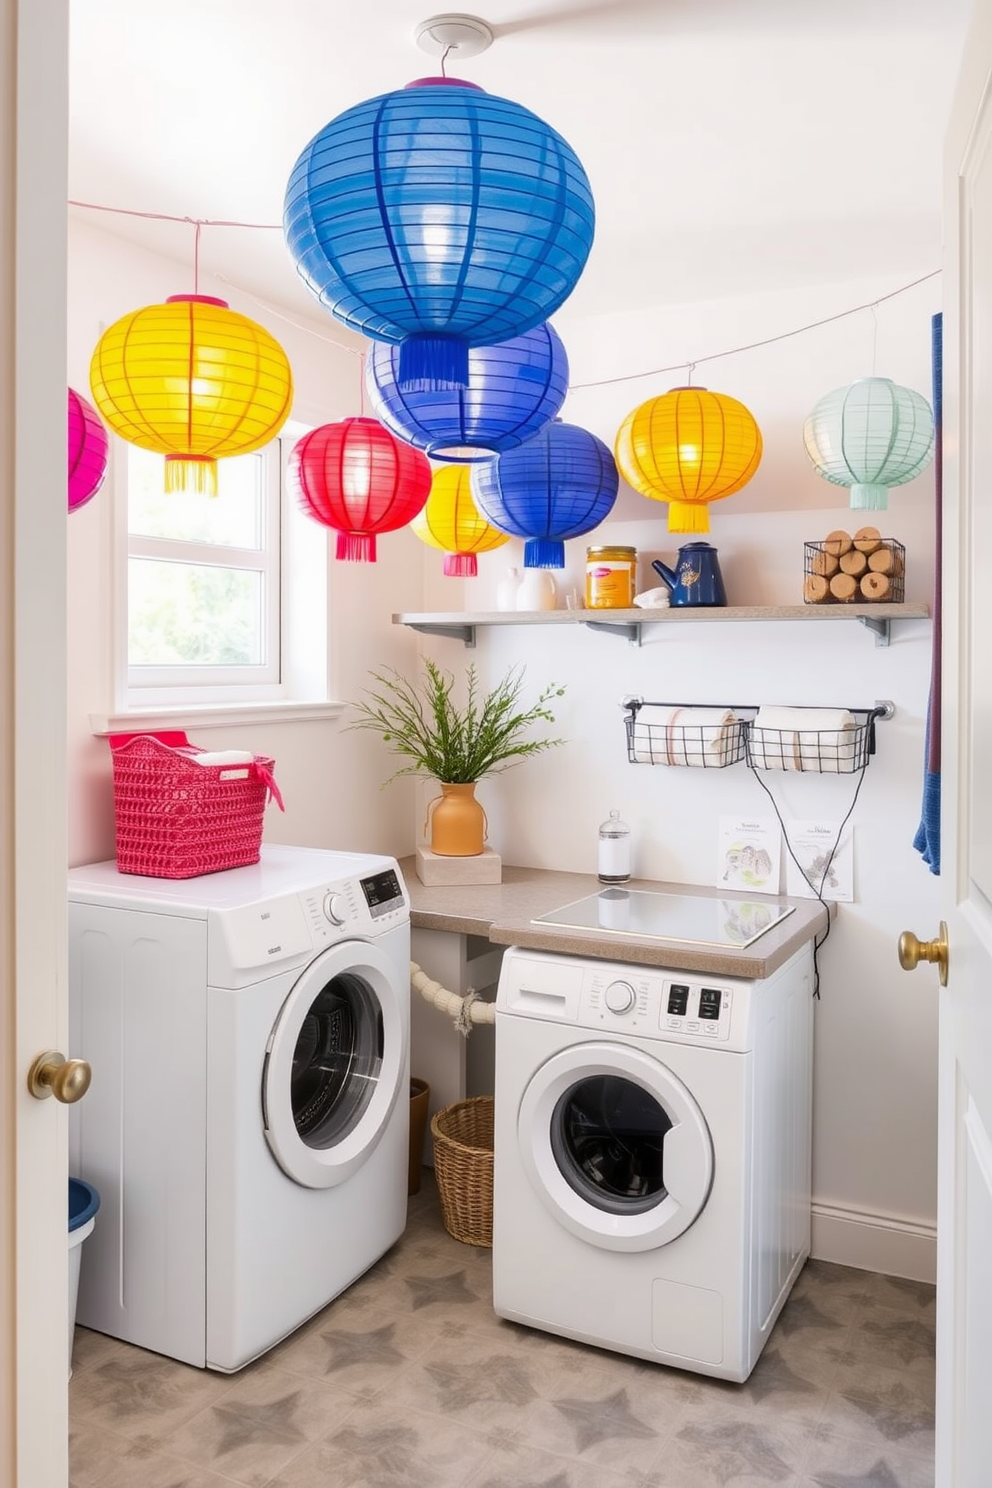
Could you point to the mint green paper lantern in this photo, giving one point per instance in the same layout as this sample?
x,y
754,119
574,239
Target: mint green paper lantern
x,y
870,436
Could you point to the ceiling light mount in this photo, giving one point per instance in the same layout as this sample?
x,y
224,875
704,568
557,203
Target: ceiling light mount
x,y
454,35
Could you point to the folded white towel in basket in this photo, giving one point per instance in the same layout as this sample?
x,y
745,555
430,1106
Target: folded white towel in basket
x,y
222,757
684,736
814,739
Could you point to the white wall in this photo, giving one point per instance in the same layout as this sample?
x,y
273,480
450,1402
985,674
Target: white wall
x,y
875,1100
329,778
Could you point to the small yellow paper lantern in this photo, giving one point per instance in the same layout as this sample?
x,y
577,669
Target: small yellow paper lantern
x,y
193,380
689,447
452,522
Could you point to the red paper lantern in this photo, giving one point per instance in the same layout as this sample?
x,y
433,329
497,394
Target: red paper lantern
x,y
356,478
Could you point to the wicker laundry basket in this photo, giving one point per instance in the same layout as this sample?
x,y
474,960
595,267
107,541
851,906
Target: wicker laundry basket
x,y
463,1166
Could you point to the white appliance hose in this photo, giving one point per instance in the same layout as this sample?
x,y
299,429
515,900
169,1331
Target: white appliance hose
x,y
464,1011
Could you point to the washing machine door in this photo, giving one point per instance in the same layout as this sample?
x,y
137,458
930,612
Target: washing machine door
x,y
615,1146
334,1065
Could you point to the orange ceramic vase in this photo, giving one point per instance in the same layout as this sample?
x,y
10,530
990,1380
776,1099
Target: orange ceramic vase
x,y
456,822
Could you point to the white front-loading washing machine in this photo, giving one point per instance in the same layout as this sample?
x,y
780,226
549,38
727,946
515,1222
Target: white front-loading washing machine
x,y
651,1189
247,1125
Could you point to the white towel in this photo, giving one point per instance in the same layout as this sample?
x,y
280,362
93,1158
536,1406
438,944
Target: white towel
x,y
684,736
234,762
822,740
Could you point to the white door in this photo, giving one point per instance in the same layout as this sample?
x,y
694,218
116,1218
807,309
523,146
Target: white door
x,y
33,1012
964,1273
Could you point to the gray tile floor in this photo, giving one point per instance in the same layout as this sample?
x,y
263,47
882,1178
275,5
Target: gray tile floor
x,y
410,1381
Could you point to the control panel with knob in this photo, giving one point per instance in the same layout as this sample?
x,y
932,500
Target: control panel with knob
x,y
620,997
335,908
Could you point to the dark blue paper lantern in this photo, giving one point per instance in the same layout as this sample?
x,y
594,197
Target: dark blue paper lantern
x,y
561,483
514,389
439,217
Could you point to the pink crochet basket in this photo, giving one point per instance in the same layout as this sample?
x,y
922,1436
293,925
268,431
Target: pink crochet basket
x,y
179,819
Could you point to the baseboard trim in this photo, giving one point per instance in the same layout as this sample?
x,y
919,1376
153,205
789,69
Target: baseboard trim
x,y
874,1242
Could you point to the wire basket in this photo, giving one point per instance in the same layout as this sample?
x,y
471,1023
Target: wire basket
x,y
179,819
463,1167
817,751
842,570
707,738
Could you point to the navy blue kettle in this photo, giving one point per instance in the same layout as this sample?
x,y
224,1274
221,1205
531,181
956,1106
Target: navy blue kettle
x,y
696,577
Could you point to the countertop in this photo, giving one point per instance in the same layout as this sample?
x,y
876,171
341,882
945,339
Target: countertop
x,y
503,913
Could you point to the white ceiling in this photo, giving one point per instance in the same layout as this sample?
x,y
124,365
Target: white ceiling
x,y
733,146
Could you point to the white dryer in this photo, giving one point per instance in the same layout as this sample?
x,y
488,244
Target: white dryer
x,y
652,1155
247,1125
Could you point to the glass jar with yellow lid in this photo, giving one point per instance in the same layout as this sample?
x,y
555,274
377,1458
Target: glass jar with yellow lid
x,y
611,577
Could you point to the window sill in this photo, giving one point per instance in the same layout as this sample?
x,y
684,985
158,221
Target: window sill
x,y
225,715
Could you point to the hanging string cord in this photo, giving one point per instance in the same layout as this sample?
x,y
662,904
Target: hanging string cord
x,y
754,345
817,888
444,57
574,387
172,217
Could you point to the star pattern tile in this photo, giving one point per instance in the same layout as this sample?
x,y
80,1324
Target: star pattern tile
x,y
428,1291
595,1421
345,1349
880,1475
268,1423
734,1451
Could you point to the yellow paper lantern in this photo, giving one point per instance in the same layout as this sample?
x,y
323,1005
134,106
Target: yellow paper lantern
x,y
193,380
689,447
452,522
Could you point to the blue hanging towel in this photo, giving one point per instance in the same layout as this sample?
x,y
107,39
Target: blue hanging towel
x,y
927,839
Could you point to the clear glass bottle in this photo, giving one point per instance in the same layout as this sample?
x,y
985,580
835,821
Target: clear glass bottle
x,y
614,851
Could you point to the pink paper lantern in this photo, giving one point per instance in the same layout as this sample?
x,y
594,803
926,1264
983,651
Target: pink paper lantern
x,y
87,451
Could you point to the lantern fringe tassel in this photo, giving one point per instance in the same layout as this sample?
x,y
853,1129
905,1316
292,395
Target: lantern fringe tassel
x,y
866,497
461,566
544,552
355,547
688,516
432,364
191,473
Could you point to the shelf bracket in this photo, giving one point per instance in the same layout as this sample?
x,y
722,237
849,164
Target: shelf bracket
x,y
464,633
629,629
880,626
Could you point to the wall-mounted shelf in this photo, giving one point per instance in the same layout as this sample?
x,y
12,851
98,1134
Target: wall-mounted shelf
x,y
630,623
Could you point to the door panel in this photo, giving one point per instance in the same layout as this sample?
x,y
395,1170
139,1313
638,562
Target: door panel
x,y
964,1292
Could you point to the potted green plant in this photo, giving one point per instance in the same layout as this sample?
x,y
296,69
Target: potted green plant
x,y
457,744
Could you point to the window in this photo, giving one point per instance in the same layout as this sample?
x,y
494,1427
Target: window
x,y
203,578
223,600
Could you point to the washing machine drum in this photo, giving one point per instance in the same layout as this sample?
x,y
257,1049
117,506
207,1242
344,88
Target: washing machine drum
x,y
333,1066
615,1146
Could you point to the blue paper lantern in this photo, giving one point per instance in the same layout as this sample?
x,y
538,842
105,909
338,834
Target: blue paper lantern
x,y
514,389
870,436
439,217
561,483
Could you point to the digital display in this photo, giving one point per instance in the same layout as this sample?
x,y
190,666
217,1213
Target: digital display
x,y
381,889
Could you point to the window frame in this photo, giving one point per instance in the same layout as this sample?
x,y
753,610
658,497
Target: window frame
x,y
303,691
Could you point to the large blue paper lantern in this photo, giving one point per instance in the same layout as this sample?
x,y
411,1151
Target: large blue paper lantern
x,y
561,483
870,436
514,389
440,217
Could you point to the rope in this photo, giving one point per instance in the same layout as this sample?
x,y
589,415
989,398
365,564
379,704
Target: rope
x,y
464,1011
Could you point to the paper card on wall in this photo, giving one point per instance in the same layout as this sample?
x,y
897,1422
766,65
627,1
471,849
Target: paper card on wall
x,y
826,864
749,854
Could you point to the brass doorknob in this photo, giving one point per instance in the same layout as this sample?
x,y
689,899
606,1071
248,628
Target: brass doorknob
x,y
52,1074
912,951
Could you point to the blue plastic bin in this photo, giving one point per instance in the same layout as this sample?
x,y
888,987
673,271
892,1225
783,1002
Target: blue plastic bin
x,y
84,1201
